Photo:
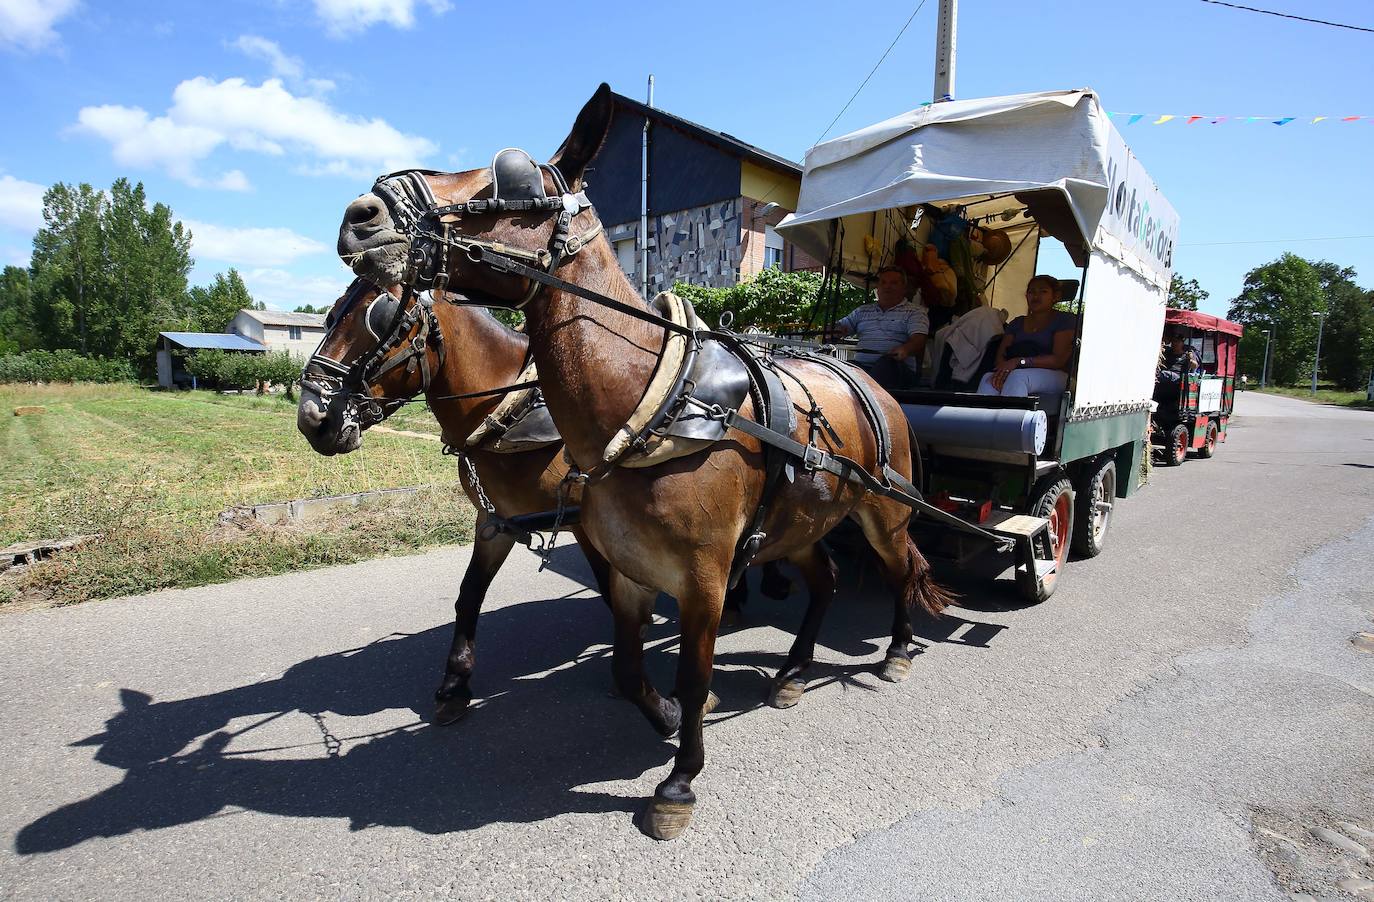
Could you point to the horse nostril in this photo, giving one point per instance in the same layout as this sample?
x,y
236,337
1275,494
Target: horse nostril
x,y
363,211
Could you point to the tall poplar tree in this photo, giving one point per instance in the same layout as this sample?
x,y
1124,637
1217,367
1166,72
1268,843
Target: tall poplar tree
x,y
1280,296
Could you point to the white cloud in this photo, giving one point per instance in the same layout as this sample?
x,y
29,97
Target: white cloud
x,y
27,24
345,17
21,204
250,246
267,118
282,290
288,67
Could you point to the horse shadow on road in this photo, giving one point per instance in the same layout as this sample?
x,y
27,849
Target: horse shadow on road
x,y
543,730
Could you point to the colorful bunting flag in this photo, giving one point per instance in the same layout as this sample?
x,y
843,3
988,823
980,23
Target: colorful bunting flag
x,y
1162,118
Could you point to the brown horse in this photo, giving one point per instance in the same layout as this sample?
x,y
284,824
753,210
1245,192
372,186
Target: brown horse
x,y
674,526
480,355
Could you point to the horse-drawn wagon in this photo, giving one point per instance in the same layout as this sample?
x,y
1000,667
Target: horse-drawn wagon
x,y
1194,410
1046,470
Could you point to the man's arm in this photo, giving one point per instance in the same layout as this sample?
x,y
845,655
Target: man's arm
x,y
914,346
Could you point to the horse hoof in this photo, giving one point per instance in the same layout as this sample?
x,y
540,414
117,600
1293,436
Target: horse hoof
x,y
895,669
711,701
787,693
451,710
665,820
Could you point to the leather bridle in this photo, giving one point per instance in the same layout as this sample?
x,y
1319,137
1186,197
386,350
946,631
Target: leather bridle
x,y
328,377
517,187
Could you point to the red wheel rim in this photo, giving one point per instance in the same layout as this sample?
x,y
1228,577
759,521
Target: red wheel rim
x,y
1059,533
1181,446
1211,437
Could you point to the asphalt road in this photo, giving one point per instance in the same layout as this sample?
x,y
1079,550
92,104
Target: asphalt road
x,y
1187,718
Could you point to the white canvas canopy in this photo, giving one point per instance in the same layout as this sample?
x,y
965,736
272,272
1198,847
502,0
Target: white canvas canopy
x,y
1054,154
1028,164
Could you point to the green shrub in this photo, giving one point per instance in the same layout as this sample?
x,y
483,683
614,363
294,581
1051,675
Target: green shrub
x,y
772,301
244,371
63,366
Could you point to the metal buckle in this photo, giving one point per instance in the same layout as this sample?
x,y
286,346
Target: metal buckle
x,y
813,458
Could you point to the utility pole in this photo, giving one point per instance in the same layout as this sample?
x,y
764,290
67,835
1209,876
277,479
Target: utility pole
x,y
946,32
644,204
1264,370
1321,322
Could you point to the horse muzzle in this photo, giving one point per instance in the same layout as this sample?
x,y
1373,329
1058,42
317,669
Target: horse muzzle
x,y
330,425
369,242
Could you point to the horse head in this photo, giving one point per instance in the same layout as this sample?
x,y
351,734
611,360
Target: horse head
x,y
380,349
435,230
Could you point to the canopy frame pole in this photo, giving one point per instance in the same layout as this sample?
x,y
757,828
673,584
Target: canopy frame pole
x,y
946,32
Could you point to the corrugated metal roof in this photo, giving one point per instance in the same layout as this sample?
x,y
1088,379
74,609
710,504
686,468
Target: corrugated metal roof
x,y
219,341
282,318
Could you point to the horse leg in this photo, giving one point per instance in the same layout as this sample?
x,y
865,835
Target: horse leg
x,y
733,612
908,575
775,583
631,605
818,571
453,695
670,811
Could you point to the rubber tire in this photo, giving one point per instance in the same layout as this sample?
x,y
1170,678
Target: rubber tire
x,y
1209,445
1043,502
1088,542
1178,436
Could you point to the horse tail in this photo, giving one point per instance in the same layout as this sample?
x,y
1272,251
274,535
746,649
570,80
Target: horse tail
x,y
921,590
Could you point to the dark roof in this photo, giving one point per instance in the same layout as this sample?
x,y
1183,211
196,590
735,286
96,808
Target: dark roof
x,y
219,341
728,143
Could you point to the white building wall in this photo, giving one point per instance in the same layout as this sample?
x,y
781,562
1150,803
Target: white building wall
x,y
247,326
277,338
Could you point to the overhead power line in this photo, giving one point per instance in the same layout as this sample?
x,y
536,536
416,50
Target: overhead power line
x,y
1270,12
1274,241
870,74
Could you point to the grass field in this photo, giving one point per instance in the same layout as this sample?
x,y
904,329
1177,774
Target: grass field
x,y
1323,395
151,472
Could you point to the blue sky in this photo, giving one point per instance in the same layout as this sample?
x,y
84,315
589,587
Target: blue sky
x,y
257,124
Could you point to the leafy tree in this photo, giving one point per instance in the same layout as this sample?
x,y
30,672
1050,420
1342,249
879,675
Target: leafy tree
x,y
772,300
68,265
214,306
149,256
311,308
1185,295
1348,336
17,332
1281,296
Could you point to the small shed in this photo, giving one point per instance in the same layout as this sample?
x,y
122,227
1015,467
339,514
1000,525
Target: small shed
x,y
172,348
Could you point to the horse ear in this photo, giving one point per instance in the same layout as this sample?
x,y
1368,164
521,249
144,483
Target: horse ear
x,y
586,137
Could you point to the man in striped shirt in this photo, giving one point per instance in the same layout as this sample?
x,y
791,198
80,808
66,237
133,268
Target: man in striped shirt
x,y
891,332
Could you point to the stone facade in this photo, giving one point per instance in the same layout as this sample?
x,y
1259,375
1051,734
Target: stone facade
x,y
700,245
714,245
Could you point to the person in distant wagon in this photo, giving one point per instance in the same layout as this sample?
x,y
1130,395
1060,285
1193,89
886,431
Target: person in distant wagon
x,y
891,331
1178,360
1035,351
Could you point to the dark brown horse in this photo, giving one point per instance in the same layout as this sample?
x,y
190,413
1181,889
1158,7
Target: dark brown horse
x,y
480,355
675,526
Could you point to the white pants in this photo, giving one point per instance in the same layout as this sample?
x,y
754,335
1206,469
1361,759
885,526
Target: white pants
x,y
1021,383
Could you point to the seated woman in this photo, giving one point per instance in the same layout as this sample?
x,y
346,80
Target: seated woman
x,y
1034,355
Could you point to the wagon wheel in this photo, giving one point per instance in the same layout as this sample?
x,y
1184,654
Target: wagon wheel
x,y
1176,448
1209,444
1096,498
1053,500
